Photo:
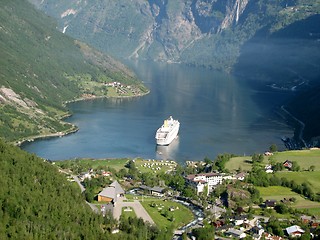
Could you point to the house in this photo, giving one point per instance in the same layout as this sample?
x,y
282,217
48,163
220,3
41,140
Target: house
x,y
306,219
202,180
219,223
239,220
268,169
268,236
287,164
155,191
294,231
240,176
111,194
106,173
267,153
235,233
257,232
269,203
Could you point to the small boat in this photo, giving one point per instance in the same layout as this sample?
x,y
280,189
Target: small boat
x,y
167,132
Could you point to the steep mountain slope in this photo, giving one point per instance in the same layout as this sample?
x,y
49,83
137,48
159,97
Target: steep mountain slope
x,y
37,202
41,68
199,32
289,60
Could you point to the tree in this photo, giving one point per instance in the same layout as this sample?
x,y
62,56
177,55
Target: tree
x,y
273,148
295,167
206,233
312,168
257,157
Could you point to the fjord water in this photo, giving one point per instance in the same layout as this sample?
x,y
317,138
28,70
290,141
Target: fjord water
x,y
219,113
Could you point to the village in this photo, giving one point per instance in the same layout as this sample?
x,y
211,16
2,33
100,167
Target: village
x,y
235,212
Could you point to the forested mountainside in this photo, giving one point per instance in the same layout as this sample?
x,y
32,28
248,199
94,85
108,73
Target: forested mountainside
x,y
37,202
198,32
41,68
289,60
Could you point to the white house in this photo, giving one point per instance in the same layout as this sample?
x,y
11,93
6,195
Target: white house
x,y
235,233
294,231
202,180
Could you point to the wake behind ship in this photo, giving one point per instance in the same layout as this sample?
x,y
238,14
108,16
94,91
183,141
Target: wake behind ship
x,y
168,131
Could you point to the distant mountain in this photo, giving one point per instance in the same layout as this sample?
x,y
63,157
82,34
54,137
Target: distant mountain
x,y
289,60
198,32
276,42
41,68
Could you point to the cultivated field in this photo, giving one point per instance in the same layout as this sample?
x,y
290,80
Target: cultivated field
x,y
280,193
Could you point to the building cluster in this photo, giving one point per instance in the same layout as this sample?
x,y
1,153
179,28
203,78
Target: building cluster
x,y
92,174
123,89
240,227
206,182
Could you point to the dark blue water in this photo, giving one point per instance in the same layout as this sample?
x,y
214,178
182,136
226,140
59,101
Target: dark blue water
x,y
219,113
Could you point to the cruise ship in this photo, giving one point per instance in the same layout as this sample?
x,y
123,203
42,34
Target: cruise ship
x,y
167,132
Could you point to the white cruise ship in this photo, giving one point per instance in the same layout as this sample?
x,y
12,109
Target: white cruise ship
x,y
168,131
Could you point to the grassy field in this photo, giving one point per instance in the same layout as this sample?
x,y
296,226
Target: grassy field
x,y
243,163
304,158
279,193
128,212
156,208
313,178
116,163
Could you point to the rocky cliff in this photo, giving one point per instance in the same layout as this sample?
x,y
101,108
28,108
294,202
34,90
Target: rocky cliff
x,y
198,32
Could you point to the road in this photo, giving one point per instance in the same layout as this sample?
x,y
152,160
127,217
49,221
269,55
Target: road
x,y
117,210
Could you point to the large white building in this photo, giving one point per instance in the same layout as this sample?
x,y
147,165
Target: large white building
x,y
202,181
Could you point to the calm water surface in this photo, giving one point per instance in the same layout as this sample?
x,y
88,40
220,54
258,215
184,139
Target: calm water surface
x,y
219,113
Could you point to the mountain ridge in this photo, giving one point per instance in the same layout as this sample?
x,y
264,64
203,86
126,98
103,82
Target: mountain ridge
x,y
197,32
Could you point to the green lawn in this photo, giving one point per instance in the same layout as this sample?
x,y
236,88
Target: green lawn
x,y
243,163
313,178
304,158
128,212
181,214
117,163
279,193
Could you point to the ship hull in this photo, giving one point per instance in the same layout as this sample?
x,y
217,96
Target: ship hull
x,y
167,132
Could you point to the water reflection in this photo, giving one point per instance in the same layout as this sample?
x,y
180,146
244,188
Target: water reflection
x,y
168,152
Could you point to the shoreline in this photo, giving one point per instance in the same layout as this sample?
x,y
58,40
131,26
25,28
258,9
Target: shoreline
x,y
301,128
101,97
73,128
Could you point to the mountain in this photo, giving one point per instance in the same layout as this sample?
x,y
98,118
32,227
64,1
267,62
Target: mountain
x,y
41,69
275,42
197,32
289,60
